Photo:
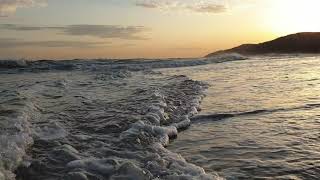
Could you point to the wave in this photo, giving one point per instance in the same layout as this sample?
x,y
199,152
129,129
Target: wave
x,y
13,63
216,117
82,131
97,125
16,112
102,65
142,153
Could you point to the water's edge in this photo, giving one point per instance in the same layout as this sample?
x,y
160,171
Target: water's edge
x,y
130,148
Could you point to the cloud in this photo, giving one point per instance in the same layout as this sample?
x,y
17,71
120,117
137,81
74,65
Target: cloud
x,y
99,31
9,7
208,6
104,31
150,4
16,43
17,27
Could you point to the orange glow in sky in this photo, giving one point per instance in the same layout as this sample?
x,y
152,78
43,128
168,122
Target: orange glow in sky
x,y
145,28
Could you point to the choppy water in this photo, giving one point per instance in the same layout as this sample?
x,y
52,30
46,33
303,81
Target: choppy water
x,y
96,120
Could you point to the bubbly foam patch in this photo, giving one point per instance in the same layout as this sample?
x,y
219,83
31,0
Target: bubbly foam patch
x,y
97,120
15,132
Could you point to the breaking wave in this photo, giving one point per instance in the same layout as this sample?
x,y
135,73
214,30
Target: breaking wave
x,y
16,112
130,64
81,120
13,63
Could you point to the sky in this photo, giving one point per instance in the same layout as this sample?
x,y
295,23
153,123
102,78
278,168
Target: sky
x,y
67,29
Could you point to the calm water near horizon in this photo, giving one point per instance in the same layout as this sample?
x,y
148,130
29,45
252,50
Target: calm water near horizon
x,y
95,120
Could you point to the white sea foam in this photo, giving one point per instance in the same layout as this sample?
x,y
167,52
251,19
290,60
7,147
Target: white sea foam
x,y
101,120
15,133
51,131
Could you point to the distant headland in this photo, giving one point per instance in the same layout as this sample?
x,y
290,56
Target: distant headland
x,y
304,42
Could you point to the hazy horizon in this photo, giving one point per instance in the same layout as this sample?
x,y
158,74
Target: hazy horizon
x,y
56,29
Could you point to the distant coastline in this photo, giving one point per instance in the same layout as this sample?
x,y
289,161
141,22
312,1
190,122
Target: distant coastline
x,y
305,42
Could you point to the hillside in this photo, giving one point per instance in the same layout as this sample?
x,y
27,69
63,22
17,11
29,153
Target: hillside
x,y
306,42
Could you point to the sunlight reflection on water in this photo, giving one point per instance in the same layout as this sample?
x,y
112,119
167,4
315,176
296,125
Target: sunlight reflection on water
x,y
277,134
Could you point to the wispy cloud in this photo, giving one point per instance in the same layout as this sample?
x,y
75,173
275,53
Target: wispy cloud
x,y
16,43
9,7
104,31
208,6
99,31
148,4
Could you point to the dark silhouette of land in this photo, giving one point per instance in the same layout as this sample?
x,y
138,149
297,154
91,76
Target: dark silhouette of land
x,y
305,42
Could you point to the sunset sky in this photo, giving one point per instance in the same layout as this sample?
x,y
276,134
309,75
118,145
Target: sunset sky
x,y
64,29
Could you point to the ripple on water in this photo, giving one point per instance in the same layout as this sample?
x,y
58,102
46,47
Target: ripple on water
x,y
260,120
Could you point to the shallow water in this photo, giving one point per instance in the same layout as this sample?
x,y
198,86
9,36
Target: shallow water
x,y
95,120
260,119
108,119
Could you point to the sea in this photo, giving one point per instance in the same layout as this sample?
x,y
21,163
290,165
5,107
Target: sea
x,y
226,117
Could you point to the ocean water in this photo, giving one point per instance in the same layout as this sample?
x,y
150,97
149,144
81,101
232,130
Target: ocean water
x,y
227,117
260,119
